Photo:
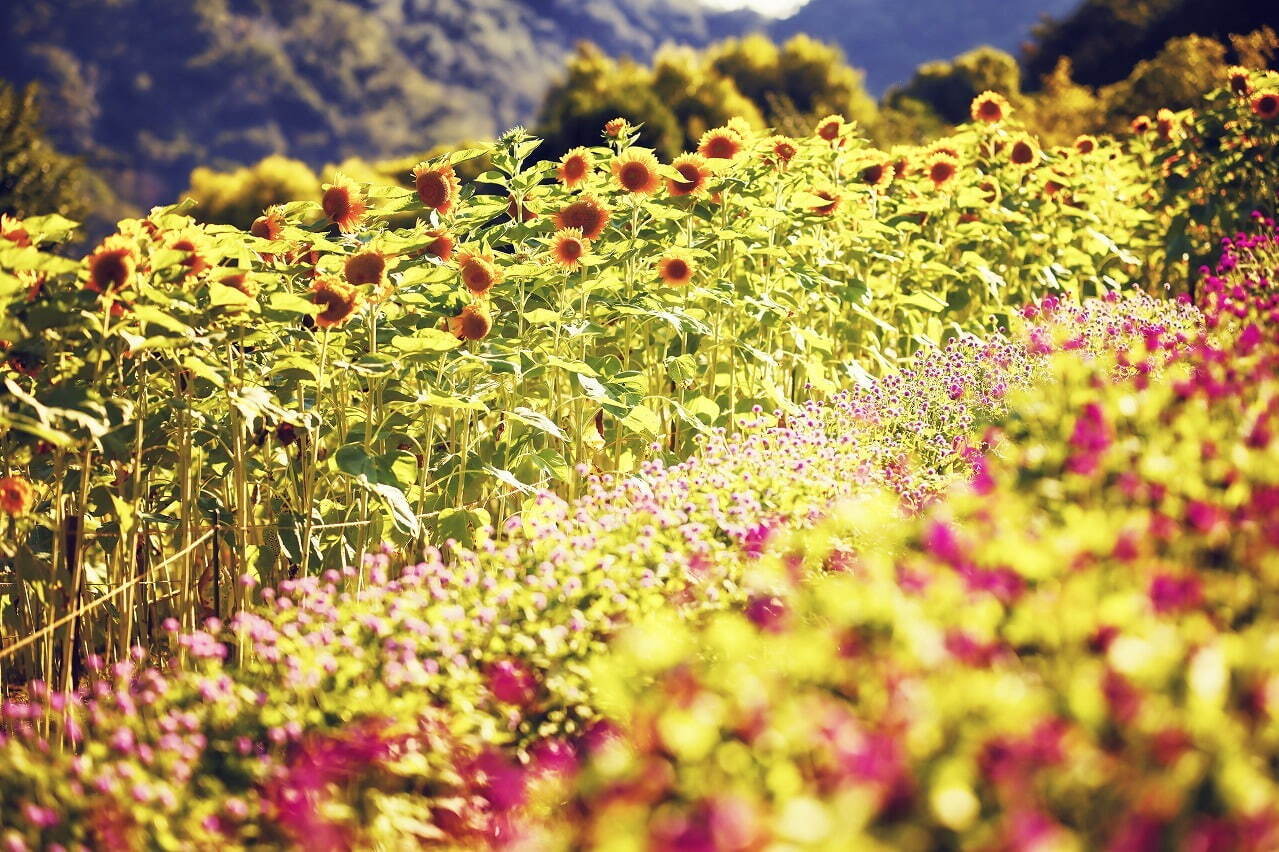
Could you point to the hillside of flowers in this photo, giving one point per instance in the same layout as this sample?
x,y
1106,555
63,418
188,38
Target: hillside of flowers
x,y
793,494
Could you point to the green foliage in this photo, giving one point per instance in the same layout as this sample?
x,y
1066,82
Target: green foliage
x,y
34,177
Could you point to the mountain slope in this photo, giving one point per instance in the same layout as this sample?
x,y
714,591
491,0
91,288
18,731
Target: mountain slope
x,y
890,38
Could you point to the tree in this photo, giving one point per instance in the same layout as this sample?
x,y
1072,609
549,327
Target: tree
x,y
34,177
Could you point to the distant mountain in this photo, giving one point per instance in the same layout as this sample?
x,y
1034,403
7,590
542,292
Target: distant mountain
x,y
888,39
148,89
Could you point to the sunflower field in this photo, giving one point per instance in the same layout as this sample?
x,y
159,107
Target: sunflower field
x,y
793,494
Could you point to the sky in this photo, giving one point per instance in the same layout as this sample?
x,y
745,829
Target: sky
x,y
776,8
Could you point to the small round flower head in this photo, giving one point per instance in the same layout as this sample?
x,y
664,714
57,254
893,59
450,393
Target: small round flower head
x,y
830,128
343,203
16,495
111,266
588,214
366,267
941,169
437,186
780,152
676,269
1265,105
1085,144
1140,125
478,271
635,171
721,143
575,167
473,323
696,172
1237,78
1024,152
338,298
568,247
990,108
877,174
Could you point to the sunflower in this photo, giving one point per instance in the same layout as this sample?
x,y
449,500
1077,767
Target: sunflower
x,y
588,214
240,281
635,170
16,495
267,226
338,298
366,267
721,143
519,211
1024,152
1085,144
877,174
781,151
111,266
473,323
575,167
436,186
675,268
478,272
441,245
1140,125
11,229
989,108
1237,77
615,127
343,203
1166,122
1266,106
830,128
941,169
191,243
990,191
696,172
568,246
832,202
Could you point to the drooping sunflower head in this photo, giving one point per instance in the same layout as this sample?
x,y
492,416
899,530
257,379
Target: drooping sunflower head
x,y
193,245
676,268
830,128
440,245
588,214
111,266
366,267
473,323
695,171
338,299
1166,124
615,127
720,143
1024,152
478,272
635,171
267,226
568,247
1265,105
942,169
437,186
343,203
240,280
830,201
1140,125
575,167
989,108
